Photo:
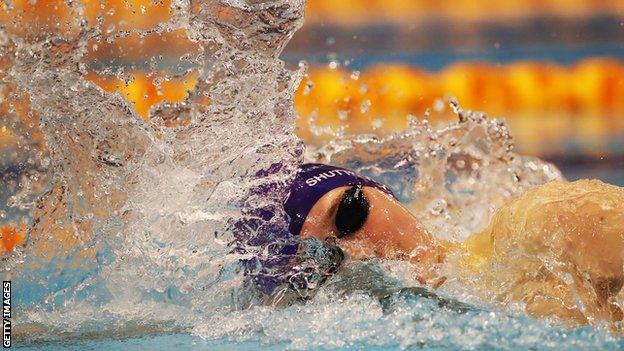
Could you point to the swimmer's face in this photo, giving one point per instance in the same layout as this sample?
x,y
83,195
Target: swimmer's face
x,y
370,223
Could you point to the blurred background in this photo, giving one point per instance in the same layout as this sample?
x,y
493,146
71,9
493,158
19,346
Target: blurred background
x,y
552,69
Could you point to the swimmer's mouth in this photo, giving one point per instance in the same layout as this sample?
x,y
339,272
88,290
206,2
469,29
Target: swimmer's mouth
x,y
307,279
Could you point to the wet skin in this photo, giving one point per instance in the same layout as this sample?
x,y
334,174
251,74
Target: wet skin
x,y
389,232
535,242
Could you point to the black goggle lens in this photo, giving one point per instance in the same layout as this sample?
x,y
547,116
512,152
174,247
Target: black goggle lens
x,y
352,211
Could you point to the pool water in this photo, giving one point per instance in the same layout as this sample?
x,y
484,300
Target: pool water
x,y
140,252
411,322
564,340
611,172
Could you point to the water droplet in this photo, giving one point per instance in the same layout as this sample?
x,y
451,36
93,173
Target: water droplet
x,y
365,106
439,105
377,123
439,207
307,89
343,115
363,89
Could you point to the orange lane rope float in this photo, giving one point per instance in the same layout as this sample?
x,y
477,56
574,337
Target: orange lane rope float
x,y
11,237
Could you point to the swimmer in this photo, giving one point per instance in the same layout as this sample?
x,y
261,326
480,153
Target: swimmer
x,y
545,248
363,215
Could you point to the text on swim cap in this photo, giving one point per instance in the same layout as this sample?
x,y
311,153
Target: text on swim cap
x,y
312,181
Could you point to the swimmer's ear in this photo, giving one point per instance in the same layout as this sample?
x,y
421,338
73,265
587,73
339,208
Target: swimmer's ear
x,y
352,211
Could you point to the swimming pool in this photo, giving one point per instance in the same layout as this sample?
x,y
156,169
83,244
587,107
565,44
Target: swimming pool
x,y
365,306
359,323
131,245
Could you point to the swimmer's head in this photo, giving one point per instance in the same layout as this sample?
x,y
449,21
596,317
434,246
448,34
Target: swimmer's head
x,y
363,216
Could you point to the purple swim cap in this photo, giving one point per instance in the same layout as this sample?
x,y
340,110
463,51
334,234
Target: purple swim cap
x,y
260,227
312,182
